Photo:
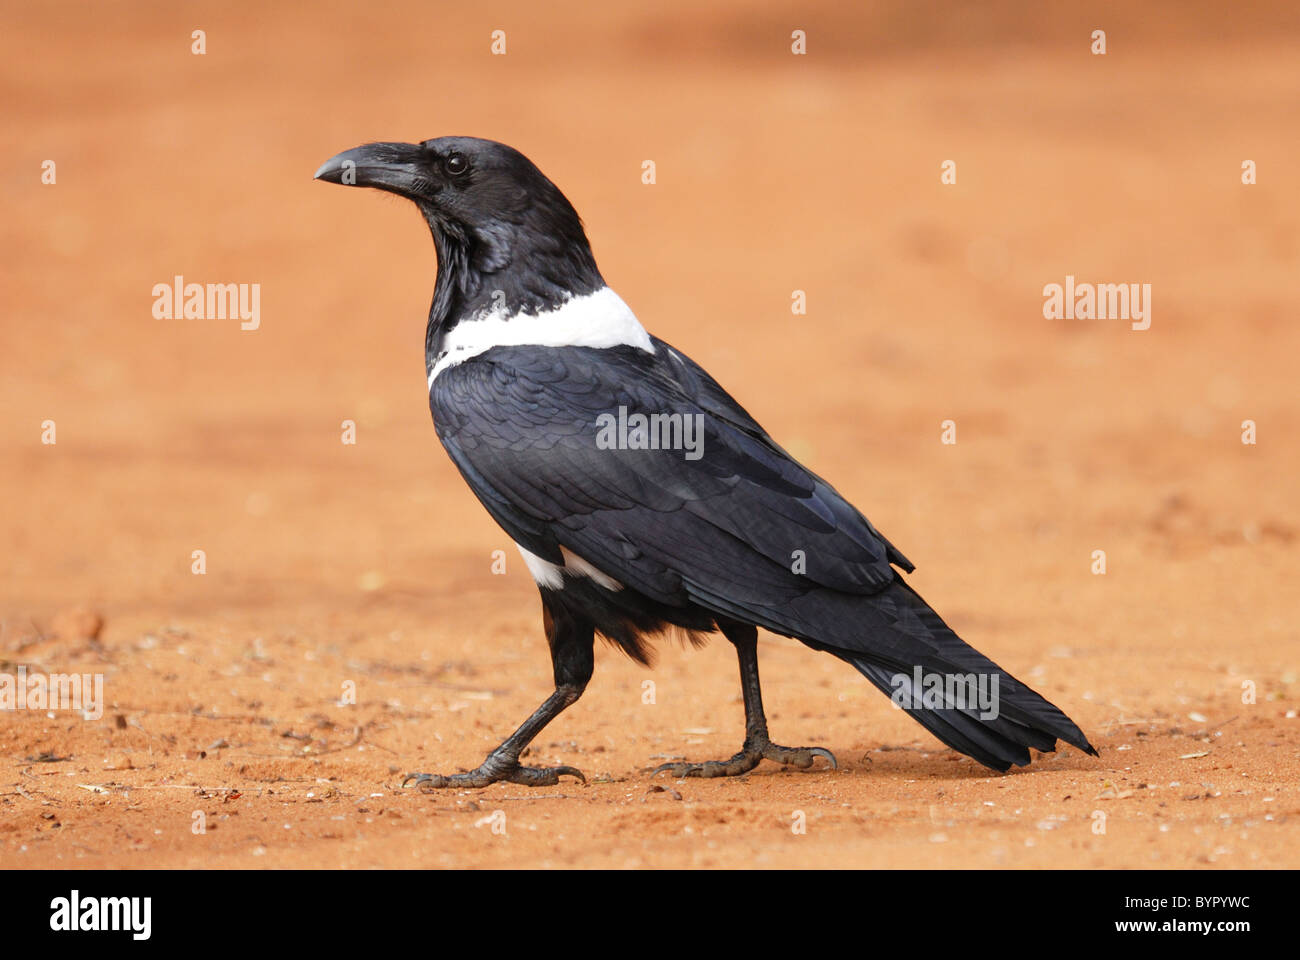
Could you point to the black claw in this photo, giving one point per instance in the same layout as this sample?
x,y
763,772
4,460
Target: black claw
x,y
741,763
747,760
428,782
823,752
676,769
493,771
542,776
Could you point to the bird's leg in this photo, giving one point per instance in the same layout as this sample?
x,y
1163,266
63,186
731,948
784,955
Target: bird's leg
x,y
757,746
571,640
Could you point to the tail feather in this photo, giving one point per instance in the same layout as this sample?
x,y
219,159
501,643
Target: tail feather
x,y
890,635
995,743
925,649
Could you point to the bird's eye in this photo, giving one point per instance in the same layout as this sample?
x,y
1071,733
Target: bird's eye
x,y
455,164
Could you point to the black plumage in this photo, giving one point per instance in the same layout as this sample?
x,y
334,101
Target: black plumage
x,y
698,544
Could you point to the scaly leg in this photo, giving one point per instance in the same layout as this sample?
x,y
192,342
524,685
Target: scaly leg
x,y
571,639
757,745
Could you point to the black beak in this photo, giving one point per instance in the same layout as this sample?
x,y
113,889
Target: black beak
x,y
400,168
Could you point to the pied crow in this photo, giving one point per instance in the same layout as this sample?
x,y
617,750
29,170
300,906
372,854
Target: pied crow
x,y
642,497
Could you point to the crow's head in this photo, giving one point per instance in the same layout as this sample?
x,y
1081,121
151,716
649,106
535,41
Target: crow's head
x,y
490,209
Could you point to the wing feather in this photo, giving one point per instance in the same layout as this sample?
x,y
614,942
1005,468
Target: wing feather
x,y
723,530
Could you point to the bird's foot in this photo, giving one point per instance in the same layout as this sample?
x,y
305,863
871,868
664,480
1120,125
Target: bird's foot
x,y
497,768
748,758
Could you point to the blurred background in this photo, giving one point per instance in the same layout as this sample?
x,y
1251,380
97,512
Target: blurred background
x,y
775,172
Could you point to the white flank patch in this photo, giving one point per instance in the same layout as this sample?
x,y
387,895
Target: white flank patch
x,y
577,566
551,575
599,319
546,574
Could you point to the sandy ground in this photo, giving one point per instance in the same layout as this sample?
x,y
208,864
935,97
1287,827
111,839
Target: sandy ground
x,y
332,567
